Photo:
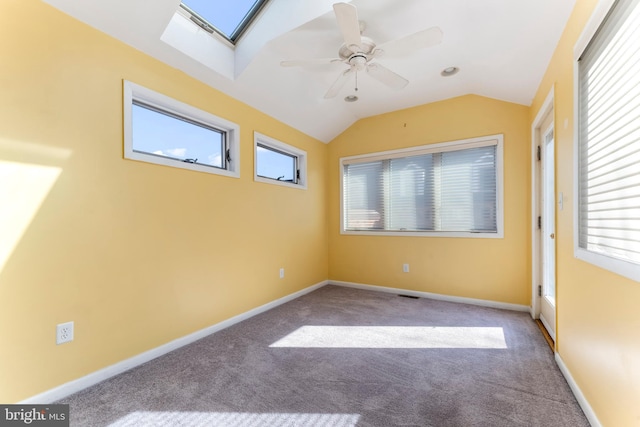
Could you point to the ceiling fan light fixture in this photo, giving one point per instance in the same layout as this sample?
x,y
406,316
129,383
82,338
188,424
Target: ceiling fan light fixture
x,y
350,98
449,71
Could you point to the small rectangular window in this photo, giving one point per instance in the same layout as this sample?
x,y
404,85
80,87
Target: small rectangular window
x,y
164,131
451,189
279,163
275,164
160,133
608,140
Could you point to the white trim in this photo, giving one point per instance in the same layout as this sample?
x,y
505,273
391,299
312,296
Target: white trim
x,y
582,400
623,268
586,34
93,378
617,266
441,297
301,155
545,109
462,234
482,141
132,91
440,147
589,30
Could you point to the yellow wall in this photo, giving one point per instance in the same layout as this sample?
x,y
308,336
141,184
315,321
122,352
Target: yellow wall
x,y
598,322
139,254
136,254
490,269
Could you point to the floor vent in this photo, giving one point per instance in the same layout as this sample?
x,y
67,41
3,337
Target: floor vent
x,y
408,296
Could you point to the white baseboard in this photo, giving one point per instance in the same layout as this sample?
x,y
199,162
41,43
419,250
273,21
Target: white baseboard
x,y
93,378
582,401
481,302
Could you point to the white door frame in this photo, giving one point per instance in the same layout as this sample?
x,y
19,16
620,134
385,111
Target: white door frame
x,y
548,229
536,193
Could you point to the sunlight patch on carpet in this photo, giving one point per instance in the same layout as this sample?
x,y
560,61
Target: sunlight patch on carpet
x,y
223,419
394,337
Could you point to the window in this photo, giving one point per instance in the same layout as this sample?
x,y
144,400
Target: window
x,y
608,140
227,18
450,189
279,163
164,131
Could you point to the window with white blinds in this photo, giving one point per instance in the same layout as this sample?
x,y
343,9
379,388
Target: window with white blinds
x,y
608,143
449,189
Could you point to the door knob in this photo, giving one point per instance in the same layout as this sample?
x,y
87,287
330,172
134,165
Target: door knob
x,y
553,235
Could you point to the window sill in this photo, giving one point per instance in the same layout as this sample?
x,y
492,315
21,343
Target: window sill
x,y
446,234
617,266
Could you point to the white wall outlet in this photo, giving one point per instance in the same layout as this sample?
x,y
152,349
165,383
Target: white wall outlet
x,y
64,332
405,268
282,273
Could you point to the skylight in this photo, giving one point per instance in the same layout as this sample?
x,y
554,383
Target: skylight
x,y
228,18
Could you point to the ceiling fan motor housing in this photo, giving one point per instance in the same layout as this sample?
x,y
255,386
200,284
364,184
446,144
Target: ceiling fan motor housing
x,y
358,61
366,48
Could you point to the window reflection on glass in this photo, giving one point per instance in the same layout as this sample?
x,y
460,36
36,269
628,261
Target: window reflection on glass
x,y
276,165
162,134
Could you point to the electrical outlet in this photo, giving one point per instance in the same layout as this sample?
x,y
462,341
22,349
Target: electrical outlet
x,y
405,268
64,332
282,273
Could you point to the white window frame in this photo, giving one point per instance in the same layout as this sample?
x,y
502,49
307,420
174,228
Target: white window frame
x,y
134,92
280,146
624,268
497,140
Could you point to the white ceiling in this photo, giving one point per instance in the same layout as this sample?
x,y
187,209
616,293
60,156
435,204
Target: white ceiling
x,y
502,48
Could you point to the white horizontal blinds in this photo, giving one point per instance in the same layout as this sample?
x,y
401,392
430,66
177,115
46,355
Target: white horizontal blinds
x,y
609,136
410,193
363,196
468,190
449,191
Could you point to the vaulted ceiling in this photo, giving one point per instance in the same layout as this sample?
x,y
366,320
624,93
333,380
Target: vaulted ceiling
x,y
502,48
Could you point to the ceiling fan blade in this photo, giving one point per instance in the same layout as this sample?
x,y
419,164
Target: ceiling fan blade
x,y
338,84
416,41
347,17
305,62
386,76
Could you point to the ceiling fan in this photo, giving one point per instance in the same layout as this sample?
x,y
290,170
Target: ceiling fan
x,y
358,51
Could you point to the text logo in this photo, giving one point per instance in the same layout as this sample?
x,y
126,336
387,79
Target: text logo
x,y
34,415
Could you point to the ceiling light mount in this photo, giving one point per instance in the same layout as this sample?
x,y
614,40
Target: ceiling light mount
x,y
449,71
354,97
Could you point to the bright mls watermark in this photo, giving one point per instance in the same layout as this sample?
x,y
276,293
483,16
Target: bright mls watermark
x,y
34,415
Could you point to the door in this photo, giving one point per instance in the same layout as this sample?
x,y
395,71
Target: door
x,y
547,231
